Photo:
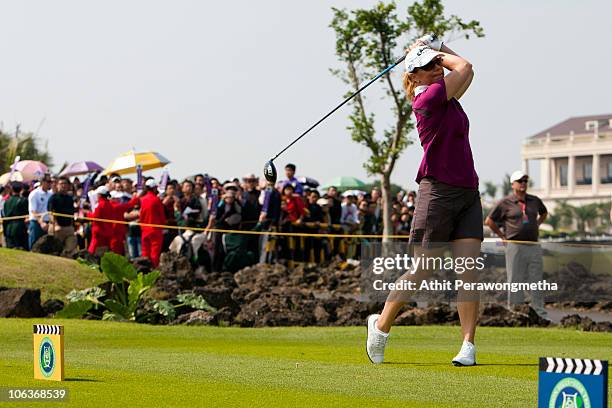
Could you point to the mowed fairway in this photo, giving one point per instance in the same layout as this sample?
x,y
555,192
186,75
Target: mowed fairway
x,y
129,365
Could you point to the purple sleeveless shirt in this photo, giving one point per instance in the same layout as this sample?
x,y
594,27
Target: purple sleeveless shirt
x,y
443,129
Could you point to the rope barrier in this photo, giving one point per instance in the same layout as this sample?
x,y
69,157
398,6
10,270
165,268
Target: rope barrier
x,y
278,233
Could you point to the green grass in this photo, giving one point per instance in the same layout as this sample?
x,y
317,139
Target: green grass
x,y
122,364
54,276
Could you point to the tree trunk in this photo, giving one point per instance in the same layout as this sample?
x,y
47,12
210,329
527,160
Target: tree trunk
x,y
385,183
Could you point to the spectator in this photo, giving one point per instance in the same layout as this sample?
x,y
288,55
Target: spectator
x,y
134,235
335,210
127,186
198,179
189,198
314,211
196,250
119,229
294,210
200,194
367,219
290,174
170,202
115,184
152,212
404,222
15,231
228,217
411,201
349,218
62,227
101,231
38,201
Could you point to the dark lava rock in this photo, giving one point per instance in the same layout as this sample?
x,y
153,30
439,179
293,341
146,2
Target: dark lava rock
x,y
142,264
20,302
52,306
197,318
494,314
585,323
48,244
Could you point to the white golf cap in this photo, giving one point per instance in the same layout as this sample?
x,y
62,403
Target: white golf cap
x,y
419,57
517,175
102,190
116,194
151,183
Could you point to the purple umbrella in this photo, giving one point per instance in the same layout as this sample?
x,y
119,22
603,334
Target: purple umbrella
x,y
79,168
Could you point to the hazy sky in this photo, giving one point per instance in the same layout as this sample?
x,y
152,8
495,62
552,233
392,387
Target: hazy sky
x,y
220,87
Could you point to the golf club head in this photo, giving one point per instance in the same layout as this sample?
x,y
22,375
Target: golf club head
x,y
270,171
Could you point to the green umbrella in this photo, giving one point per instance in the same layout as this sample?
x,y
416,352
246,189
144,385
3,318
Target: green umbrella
x,y
344,183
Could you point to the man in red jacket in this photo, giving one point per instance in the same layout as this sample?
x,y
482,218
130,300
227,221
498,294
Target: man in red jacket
x,y
152,212
117,243
101,231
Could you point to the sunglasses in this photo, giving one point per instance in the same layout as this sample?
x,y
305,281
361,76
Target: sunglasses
x,y
430,65
523,180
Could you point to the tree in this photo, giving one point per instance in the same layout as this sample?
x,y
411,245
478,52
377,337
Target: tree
x,y
25,145
366,42
490,189
506,185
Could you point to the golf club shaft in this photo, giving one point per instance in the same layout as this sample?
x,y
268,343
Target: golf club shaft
x,y
385,71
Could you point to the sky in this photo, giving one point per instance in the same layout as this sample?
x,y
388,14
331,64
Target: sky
x,y
221,87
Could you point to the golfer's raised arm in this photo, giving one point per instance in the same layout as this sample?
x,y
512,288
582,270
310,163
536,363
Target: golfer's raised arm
x,y
460,77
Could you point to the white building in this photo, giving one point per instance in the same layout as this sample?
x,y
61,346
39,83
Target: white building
x,y
574,159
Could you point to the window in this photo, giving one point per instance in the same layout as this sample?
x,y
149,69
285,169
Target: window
x,y
563,175
587,171
607,178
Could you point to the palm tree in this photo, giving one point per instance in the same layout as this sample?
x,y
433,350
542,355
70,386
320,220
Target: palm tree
x,y
490,189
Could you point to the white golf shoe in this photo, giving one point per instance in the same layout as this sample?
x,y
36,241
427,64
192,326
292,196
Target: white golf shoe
x,y
466,356
376,342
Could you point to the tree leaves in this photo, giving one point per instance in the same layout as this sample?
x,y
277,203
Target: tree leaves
x,y
74,310
117,268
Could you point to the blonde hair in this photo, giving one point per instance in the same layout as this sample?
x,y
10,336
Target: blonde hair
x,y
408,83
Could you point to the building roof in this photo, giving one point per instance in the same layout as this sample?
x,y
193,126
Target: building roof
x,y
576,125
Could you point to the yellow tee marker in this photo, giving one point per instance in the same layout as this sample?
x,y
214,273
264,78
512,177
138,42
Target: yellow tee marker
x,y
48,352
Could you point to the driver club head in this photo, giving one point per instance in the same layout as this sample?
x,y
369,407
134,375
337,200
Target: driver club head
x,y
270,171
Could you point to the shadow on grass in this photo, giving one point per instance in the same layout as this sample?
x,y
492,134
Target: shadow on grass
x,y
82,380
449,364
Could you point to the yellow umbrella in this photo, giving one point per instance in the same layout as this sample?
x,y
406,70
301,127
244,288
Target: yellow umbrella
x,y
16,176
127,162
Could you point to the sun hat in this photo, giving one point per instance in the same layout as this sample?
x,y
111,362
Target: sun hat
x,y
419,57
151,183
102,190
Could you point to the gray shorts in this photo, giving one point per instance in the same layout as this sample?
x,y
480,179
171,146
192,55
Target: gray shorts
x,y
445,213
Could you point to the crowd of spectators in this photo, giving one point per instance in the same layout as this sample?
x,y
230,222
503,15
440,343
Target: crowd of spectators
x,y
78,214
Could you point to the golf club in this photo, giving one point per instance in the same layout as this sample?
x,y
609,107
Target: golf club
x,y
269,168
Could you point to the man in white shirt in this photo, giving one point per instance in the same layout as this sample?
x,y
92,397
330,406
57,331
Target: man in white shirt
x,y
350,214
37,205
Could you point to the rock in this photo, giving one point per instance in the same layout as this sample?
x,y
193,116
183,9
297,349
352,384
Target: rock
x,y
604,306
217,297
605,327
585,323
142,264
496,315
197,318
48,244
20,302
176,273
572,320
52,306
321,316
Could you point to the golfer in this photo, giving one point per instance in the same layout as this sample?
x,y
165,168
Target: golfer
x,y
448,208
